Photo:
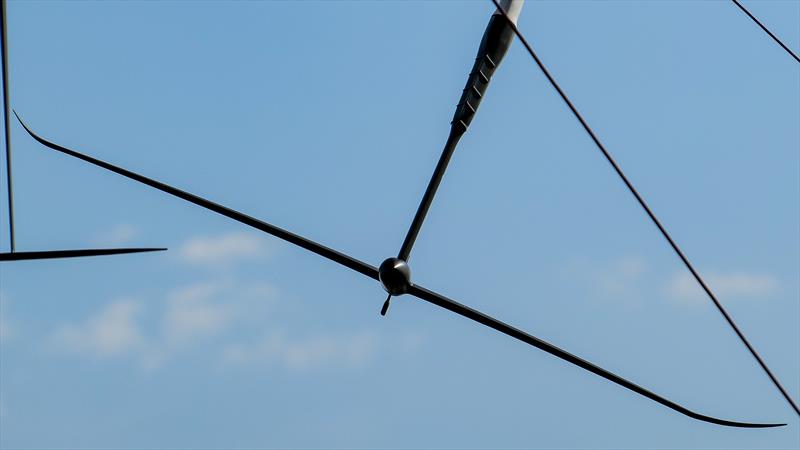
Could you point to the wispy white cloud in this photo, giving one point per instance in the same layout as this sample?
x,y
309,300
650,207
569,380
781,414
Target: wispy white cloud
x,y
119,235
620,279
211,315
621,276
192,313
224,249
726,285
347,351
113,331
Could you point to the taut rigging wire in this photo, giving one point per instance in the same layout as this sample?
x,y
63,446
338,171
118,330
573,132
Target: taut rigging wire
x,y
766,30
647,209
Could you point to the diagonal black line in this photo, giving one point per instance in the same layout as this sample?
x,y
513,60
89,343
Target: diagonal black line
x,y
55,254
649,212
300,241
766,30
430,192
483,319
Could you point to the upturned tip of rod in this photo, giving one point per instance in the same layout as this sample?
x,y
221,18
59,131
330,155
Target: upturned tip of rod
x,y
21,122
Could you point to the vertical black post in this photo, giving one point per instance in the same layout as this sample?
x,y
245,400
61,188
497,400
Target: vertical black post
x,y
6,120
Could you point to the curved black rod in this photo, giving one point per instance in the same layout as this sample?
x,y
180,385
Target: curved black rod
x,y
766,30
300,241
649,212
54,254
483,319
372,272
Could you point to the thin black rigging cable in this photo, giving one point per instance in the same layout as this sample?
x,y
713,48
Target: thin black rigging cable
x,y
4,34
647,209
766,30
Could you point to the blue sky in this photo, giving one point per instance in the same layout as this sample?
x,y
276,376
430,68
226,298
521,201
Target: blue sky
x,y
327,118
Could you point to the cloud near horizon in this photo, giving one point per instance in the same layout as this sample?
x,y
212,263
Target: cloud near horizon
x,y
119,235
347,351
113,331
619,280
223,249
725,285
191,312
188,316
628,277
207,314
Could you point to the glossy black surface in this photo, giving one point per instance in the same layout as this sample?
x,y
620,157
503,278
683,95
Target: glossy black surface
x,y
493,48
395,276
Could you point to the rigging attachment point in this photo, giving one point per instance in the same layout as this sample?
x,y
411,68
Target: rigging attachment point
x,y
395,276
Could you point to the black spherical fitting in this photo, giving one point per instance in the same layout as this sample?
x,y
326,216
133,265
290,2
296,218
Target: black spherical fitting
x,y
395,276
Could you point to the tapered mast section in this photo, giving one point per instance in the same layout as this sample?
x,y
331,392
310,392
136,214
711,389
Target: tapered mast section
x,y
495,43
